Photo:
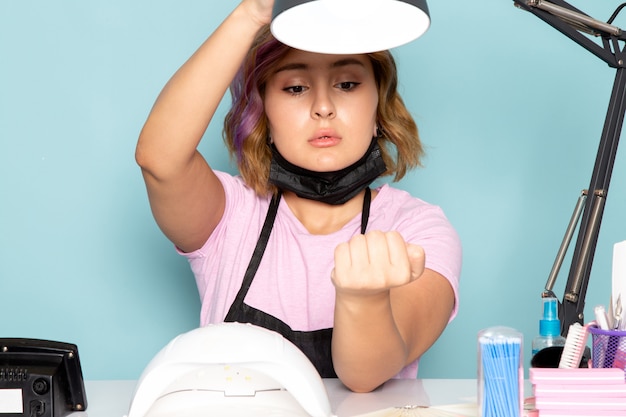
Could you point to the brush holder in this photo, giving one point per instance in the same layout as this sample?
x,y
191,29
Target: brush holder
x,y
608,348
500,372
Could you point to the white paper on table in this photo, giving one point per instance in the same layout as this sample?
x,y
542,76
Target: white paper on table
x,y
453,410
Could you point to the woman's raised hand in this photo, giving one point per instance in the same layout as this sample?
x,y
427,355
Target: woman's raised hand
x,y
260,10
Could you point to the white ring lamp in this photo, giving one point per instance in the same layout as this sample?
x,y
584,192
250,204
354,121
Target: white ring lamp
x,y
348,26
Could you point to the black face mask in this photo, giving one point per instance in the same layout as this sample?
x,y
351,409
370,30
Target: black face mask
x,y
334,187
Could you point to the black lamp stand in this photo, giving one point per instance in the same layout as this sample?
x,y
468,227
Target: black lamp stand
x,y
581,28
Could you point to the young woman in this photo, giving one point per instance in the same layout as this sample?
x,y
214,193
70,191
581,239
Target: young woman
x,y
362,280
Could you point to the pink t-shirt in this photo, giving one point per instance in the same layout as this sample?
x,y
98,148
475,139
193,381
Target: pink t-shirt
x,y
293,280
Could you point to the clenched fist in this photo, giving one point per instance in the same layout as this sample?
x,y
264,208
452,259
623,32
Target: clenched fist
x,y
376,262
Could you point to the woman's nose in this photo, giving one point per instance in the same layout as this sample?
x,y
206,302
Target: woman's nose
x,y
323,107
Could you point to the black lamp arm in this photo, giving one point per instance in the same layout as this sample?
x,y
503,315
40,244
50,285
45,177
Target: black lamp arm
x,y
575,29
572,23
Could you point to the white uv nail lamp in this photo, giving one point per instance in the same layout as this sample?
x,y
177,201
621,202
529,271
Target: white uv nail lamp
x,y
229,370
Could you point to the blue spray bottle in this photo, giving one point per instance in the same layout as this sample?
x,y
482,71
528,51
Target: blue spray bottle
x,y
549,327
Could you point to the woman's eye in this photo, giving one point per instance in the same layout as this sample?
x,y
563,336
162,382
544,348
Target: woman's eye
x,y
296,89
347,85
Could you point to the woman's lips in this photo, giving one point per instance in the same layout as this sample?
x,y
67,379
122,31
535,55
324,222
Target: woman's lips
x,y
324,139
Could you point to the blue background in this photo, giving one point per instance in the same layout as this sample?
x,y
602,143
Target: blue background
x,y
510,110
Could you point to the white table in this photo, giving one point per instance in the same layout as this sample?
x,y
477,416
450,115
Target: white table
x,y
112,398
